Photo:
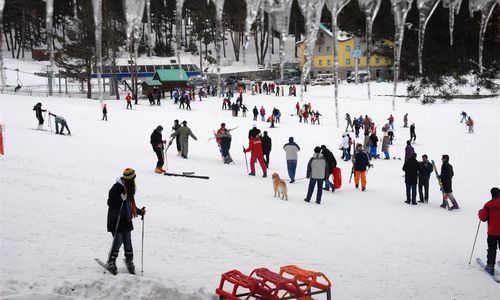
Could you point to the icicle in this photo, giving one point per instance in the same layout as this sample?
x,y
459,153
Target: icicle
x,y
370,8
311,9
75,9
178,30
486,7
134,11
2,70
454,7
335,6
253,7
148,13
400,9
280,19
48,25
97,6
426,9
219,8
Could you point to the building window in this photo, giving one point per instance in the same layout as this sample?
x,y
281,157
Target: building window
x,y
320,62
377,60
319,49
348,48
348,61
327,49
329,62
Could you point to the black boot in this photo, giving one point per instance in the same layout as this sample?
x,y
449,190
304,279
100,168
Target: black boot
x,y
111,265
129,261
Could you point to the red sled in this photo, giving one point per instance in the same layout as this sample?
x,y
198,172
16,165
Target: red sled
x,y
337,178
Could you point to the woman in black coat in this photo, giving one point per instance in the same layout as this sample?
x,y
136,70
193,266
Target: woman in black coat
x,y
445,177
121,210
38,112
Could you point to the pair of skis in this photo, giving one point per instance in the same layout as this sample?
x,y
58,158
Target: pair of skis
x,y
483,265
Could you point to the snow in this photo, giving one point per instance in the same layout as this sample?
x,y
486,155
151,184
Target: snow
x,y
370,244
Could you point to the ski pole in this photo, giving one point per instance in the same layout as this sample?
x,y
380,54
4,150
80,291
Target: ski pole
x,y
142,246
474,245
115,233
246,161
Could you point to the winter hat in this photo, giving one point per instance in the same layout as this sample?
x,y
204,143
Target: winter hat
x,y
495,192
254,125
317,149
222,124
159,128
129,173
445,157
290,139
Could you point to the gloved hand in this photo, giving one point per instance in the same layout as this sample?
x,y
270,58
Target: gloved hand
x,y
142,212
124,196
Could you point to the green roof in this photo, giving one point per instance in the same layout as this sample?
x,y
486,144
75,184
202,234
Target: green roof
x,y
152,82
170,75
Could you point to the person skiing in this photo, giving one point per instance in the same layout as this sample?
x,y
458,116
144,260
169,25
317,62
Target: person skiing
x,y
411,168
413,136
175,127
184,133
266,147
408,150
104,112
491,213
424,173
317,171
405,120
121,210
255,147
470,124
464,117
129,101
39,114
445,177
361,162
349,122
157,143
255,112
291,148
332,164
60,121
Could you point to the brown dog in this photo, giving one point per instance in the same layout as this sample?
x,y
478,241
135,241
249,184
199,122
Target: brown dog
x,y
279,187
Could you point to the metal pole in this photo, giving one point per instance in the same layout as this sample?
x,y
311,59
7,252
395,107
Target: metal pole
x,y
474,245
142,246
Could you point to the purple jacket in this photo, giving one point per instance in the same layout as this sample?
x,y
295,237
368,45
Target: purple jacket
x,y
408,152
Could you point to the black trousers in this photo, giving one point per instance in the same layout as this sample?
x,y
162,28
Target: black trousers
x,y
423,195
266,159
493,245
159,154
411,192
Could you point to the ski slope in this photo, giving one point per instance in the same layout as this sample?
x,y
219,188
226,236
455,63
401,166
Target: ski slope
x,y
370,244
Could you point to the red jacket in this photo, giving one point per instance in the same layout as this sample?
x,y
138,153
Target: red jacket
x,y
128,98
491,213
255,146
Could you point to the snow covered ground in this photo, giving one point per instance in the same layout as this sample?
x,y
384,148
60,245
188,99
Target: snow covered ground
x,y
370,244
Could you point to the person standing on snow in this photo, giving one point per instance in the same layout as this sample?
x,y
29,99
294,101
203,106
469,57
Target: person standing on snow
x,y
225,145
361,162
445,177
332,164
344,146
349,122
121,210
373,145
411,168
129,101
413,136
424,173
317,171
104,112
262,112
291,148
385,146
470,124
266,147
491,213
157,143
408,150
184,133
405,120
255,147
175,127
391,122
39,114
464,117
255,112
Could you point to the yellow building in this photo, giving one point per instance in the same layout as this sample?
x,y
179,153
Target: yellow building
x,y
322,61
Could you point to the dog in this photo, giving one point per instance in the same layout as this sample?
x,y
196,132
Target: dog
x,y
279,187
